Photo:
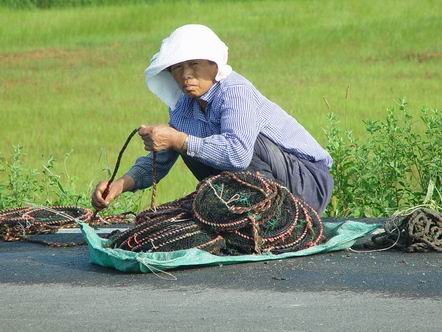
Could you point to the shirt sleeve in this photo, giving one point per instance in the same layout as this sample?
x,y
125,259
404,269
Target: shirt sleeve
x,y
141,171
232,149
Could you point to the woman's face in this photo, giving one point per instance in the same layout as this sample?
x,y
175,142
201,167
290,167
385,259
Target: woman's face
x,y
194,77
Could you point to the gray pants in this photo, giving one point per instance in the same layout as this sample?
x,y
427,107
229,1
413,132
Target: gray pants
x,y
309,180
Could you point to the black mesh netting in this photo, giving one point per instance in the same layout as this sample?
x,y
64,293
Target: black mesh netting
x,y
20,223
16,224
418,231
231,213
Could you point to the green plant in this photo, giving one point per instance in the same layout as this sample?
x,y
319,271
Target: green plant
x,y
30,187
394,168
21,185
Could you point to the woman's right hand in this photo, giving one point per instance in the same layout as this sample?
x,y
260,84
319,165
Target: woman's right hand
x,y
116,188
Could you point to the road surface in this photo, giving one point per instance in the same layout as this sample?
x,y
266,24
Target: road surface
x,y
46,289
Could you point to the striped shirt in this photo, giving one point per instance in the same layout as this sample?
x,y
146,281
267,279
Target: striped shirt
x,y
224,135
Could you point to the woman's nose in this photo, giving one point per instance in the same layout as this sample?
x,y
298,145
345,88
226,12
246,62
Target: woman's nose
x,y
187,72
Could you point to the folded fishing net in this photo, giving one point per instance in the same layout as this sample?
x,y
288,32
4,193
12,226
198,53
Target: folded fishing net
x,y
172,234
21,223
168,227
231,213
255,214
18,223
417,231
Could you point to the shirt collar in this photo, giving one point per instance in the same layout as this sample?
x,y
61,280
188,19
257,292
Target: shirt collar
x,y
209,95
193,108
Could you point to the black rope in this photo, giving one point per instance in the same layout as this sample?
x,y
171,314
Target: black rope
x,y
117,166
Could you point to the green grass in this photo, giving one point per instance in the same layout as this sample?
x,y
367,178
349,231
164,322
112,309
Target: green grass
x,y
72,79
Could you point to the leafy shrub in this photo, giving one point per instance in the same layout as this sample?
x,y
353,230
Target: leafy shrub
x,y
398,166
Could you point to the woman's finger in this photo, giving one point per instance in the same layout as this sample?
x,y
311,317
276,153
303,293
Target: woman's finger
x,y
111,196
145,130
98,205
97,196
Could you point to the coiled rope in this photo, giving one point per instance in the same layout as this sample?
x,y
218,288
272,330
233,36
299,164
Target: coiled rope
x,y
419,230
19,224
230,213
256,214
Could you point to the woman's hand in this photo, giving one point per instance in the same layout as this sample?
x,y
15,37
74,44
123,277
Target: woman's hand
x,y
162,137
123,184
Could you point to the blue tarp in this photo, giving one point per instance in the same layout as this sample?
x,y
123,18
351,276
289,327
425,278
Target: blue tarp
x,y
339,236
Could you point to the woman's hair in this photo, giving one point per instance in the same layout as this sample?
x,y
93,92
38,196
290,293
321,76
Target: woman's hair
x,y
210,61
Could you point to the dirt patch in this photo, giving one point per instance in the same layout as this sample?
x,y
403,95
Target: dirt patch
x,y
412,76
420,57
13,83
67,55
423,57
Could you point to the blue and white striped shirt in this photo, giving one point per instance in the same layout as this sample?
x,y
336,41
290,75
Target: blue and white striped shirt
x,y
224,135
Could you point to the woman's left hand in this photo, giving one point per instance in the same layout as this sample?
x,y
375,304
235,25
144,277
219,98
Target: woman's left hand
x,y
161,137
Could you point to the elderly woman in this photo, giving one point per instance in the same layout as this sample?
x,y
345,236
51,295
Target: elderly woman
x,y
220,122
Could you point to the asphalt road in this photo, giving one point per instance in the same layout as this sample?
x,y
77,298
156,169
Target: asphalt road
x,y
45,289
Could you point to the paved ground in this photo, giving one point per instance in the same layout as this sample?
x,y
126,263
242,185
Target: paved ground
x,y
58,289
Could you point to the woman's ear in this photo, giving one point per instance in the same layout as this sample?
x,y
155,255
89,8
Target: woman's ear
x,y
215,72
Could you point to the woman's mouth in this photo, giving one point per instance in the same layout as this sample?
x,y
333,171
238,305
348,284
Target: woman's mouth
x,y
189,87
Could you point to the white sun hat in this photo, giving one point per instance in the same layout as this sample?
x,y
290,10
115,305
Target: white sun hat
x,y
192,41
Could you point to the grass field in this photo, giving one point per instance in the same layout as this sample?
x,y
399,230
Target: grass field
x,y
71,80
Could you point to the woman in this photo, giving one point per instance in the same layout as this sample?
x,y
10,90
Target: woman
x,y
220,122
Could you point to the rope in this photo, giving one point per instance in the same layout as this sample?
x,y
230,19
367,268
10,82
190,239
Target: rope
x,y
116,167
157,271
117,164
265,217
419,230
19,224
230,213
153,204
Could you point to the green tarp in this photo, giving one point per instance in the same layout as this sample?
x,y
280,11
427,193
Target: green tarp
x,y
339,236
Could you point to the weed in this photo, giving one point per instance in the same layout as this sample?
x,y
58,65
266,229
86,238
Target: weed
x,y
395,168
30,187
